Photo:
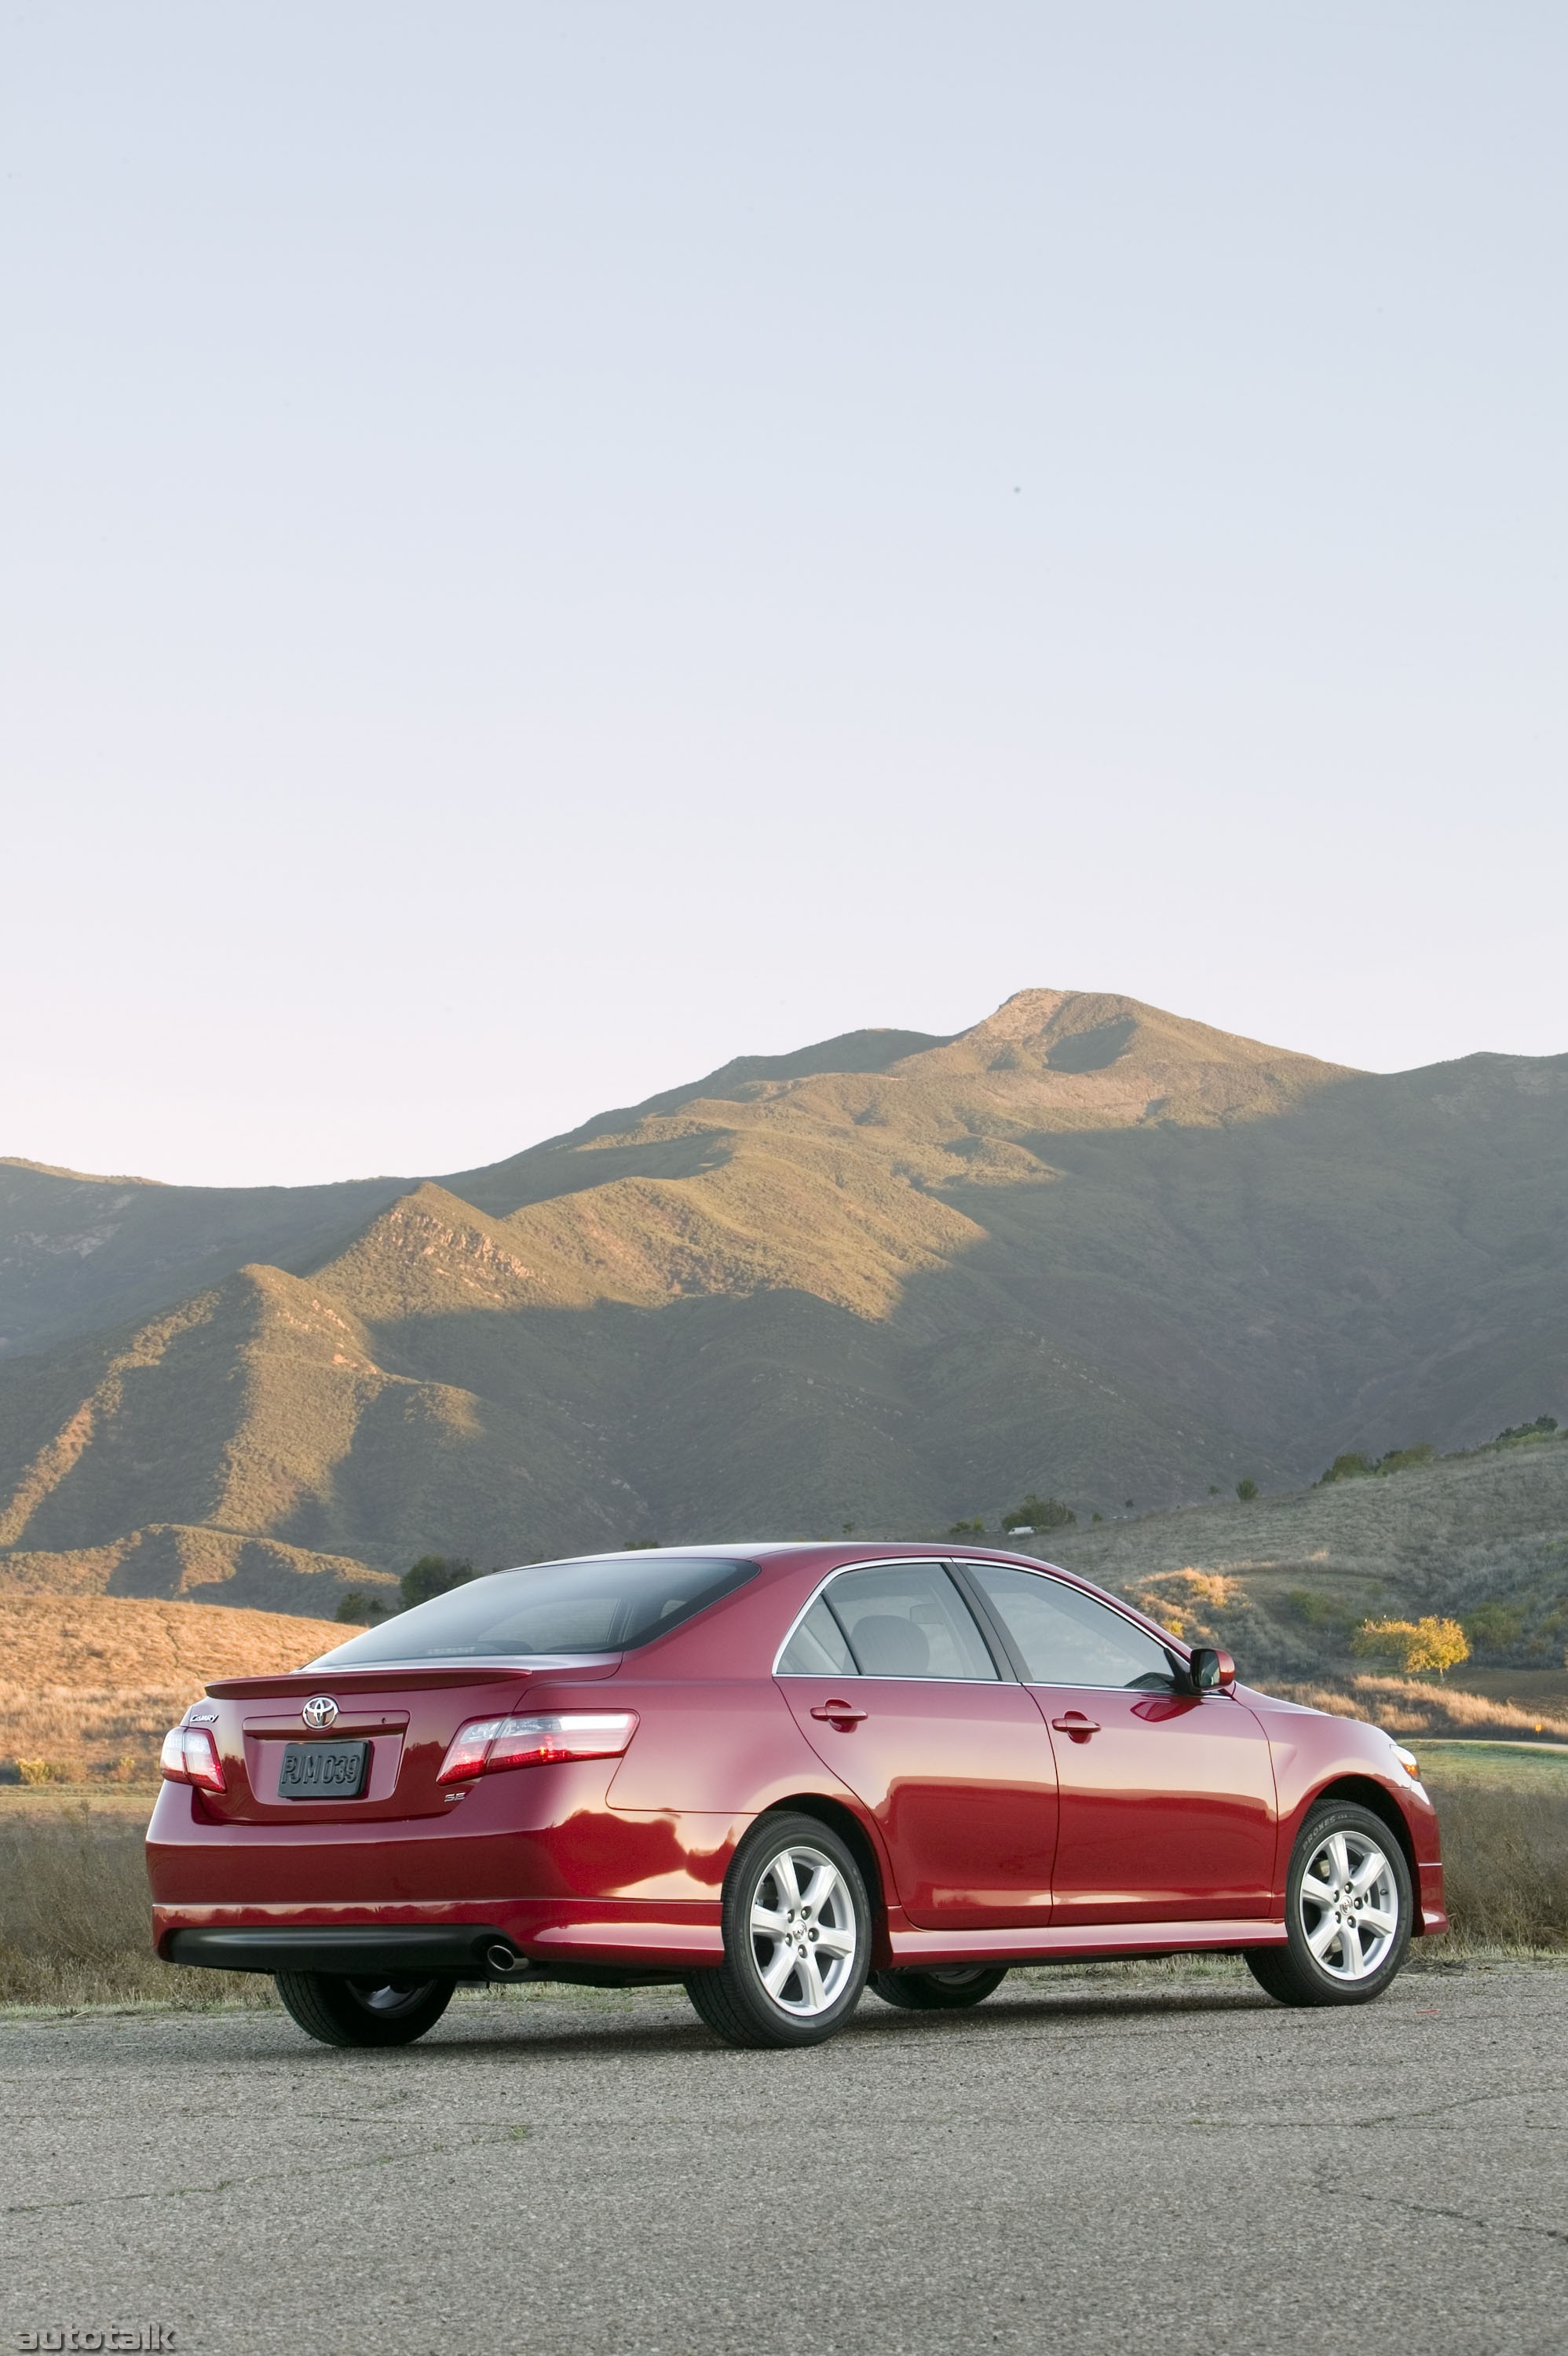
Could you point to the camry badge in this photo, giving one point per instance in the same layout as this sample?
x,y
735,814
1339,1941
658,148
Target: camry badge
x,y
319,1711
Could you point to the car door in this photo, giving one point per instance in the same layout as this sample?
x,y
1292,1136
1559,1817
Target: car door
x,y
898,1691
1165,1798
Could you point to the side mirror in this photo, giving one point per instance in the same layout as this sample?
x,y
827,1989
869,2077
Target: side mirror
x,y
1212,1671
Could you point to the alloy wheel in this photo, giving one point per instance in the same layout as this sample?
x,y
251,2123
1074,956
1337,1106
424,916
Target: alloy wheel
x,y
1349,1905
803,1933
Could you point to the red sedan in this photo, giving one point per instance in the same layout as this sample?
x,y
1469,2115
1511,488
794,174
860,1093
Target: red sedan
x,y
771,1773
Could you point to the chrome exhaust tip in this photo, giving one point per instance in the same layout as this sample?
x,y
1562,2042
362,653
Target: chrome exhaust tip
x,y
502,1959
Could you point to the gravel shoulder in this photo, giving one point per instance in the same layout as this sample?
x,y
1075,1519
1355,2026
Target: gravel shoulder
x,y
1105,2161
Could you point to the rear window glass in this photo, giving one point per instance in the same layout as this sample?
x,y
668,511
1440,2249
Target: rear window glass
x,y
902,1620
604,1606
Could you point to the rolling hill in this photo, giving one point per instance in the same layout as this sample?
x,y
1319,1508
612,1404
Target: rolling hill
x,y
88,1685
1283,1581
1085,1247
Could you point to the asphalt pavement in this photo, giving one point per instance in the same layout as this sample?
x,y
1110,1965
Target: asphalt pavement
x,y
1098,2163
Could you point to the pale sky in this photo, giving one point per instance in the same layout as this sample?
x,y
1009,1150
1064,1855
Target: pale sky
x,y
547,547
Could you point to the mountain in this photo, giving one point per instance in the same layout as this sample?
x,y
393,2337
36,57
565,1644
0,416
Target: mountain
x,y
78,1253
1085,1248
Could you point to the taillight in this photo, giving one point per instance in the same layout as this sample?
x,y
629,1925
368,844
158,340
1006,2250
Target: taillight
x,y
487,1744
190,1756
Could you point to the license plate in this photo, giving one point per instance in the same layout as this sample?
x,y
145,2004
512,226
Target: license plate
x,y
323,1770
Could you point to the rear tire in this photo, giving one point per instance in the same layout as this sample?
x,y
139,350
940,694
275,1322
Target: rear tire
x,y
339,2011
797,1938
939,1991
1348,1912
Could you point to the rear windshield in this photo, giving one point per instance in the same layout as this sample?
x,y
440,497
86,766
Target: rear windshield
x,y
605,1606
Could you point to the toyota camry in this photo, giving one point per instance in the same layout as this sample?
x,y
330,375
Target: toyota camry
x,y
774,1774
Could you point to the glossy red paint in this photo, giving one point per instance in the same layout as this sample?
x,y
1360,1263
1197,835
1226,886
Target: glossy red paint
x,y
1167,1808
960,1781
998,1819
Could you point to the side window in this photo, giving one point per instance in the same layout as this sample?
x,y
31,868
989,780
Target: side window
x,y
908,1620
818,1647
1067,1639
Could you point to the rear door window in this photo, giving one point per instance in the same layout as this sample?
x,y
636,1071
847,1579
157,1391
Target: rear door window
x,y
818,1647
1065,1638
905,1620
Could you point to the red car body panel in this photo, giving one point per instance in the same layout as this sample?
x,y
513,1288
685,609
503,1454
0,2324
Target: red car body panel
x,y
1167,1809
961,1784
988,1831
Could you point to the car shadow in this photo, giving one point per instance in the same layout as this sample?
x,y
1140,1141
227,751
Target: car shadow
x,y
574,2034
999,2012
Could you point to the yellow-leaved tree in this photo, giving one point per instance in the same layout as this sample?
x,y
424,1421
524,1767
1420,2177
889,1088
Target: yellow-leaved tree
x,y
1415,1645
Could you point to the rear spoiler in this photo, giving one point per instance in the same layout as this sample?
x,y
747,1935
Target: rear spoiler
x,y
421,1676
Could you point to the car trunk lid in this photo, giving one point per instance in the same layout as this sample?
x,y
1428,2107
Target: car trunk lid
x,y
405,1717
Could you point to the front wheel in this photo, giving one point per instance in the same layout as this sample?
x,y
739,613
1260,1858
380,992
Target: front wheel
x,y
1348,1911
797,1938
339,2011
946,1990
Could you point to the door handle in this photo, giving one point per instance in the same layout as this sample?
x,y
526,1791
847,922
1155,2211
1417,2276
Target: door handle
x,y
841,1714
1075,1724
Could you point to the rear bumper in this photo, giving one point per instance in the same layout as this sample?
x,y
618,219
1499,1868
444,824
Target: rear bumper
x,y
551,1938
356,1953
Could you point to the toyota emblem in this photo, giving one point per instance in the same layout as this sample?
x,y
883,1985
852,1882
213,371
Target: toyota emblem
x,y
319,1711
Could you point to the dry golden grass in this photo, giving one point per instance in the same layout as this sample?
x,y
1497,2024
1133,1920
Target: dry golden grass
x,y
1410,1705
1506,1857
75,1926
91,1683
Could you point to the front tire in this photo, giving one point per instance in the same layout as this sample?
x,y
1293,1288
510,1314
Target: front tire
x,y
797,1938
1348,1912
939,1991
339,2011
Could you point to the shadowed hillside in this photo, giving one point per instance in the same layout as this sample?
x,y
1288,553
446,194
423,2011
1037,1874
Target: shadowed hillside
x,y
1285,1581
78,1253
1083,1248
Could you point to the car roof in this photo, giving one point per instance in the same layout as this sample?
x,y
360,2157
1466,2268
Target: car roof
x,y
759,1550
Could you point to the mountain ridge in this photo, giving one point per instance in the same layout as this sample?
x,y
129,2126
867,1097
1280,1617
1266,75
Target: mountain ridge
x,y
1083,1246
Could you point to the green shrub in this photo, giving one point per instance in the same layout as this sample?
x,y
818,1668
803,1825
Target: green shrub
x,y
1317,1611
975,1529
433,1574
361,1611
1351,1466
1247,1489
1542,1429
1039,1514
1495,1627
1406,1460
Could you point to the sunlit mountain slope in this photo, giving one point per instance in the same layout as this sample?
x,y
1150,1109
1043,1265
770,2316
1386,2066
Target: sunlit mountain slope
x,y
1085,1247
